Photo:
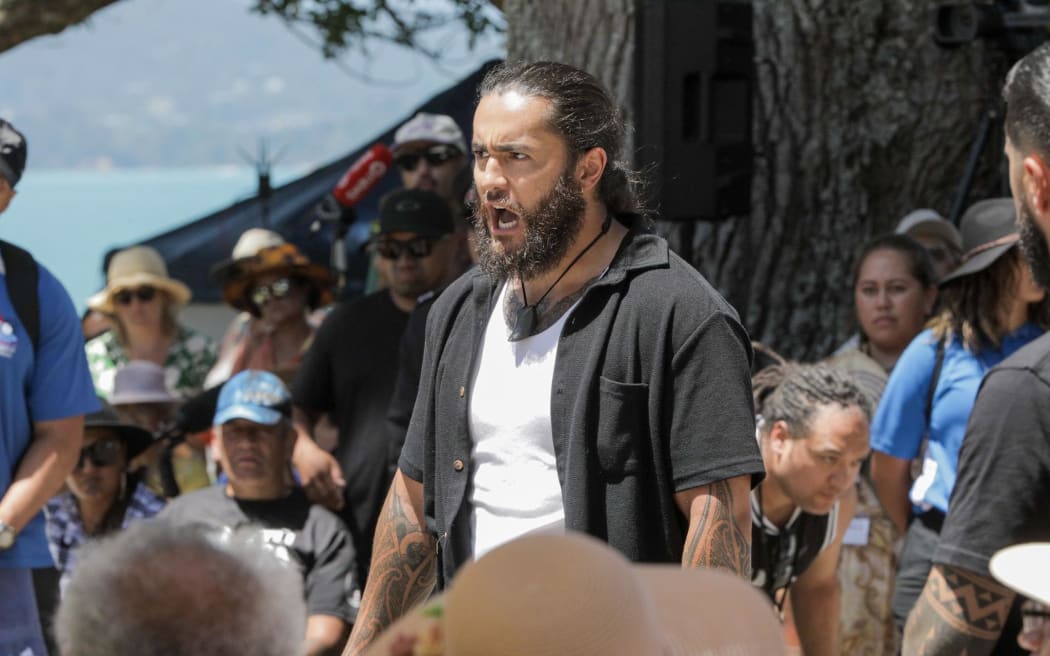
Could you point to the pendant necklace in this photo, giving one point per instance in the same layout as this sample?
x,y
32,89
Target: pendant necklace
x,y
526,317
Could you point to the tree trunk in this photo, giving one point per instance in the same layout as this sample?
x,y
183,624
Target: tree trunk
x,y
859,117
21,20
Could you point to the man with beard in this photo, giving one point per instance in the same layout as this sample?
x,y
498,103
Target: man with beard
x,y
350,369
582,378
1002,491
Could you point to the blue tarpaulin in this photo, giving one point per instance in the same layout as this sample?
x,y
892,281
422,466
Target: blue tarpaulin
x,y
193,249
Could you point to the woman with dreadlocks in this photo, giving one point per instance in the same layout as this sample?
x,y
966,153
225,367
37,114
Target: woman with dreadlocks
x,y
812,427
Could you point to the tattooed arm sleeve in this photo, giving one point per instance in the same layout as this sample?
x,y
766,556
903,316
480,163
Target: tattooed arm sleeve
x,y
404,566
959,612
719,526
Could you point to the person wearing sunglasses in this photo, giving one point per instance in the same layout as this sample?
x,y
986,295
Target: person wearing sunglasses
x,y
276,288
938,236
429,151
102,495
142,302
350,370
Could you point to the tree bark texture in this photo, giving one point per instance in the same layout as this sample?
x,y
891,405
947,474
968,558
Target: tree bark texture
x,y
859,117
597,36
21,20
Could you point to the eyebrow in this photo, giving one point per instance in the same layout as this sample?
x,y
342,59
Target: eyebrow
x,y
513,146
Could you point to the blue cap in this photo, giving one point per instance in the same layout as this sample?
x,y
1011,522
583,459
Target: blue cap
x,y
257,396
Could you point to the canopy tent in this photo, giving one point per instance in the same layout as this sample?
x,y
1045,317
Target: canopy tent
x,y
192,249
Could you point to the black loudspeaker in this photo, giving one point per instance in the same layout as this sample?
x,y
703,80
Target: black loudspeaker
x,y
695,77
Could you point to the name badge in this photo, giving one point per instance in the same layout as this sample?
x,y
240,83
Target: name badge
x,y
857,532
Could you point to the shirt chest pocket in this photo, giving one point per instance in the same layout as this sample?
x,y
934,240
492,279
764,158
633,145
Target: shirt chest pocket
x,y
623,421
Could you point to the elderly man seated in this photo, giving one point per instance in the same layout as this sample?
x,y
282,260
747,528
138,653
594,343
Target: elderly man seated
x,y
260,502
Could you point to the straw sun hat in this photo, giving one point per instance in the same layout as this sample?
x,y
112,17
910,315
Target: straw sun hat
x,y
571,595
131,268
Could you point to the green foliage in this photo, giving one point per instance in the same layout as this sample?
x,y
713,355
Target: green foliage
x,y
345,25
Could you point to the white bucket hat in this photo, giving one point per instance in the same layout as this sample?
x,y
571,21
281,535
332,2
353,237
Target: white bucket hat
x,y
134,267
572,595
1024,568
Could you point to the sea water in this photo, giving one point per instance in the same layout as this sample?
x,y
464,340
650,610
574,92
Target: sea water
x,y
69,219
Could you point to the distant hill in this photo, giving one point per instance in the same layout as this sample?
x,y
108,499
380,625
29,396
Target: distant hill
x,y
164,83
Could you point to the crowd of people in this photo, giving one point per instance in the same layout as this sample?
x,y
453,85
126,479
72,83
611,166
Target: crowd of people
x,y
539,396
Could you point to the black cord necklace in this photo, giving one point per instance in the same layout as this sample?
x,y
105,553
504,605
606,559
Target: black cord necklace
x,y
526,317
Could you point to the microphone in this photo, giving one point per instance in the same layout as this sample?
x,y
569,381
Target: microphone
x,y
360,179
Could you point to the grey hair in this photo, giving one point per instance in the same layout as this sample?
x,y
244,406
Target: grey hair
x,y
177,591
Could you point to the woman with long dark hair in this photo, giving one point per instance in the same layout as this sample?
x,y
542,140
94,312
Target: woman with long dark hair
x,y
990,307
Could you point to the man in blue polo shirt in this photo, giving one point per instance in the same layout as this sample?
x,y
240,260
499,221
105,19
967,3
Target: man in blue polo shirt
x,y
45,390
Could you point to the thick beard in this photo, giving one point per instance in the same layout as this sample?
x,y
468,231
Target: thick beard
x,y
550,230
1034,247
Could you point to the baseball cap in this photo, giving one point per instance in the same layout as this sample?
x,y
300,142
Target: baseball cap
x,y
414,210
12,152
437,128
929,222
257,396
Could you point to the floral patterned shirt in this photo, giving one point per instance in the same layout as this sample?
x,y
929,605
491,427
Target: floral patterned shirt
x,y
189,359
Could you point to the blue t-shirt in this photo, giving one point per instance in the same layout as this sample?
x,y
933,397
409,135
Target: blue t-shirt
x,y
52,384
900,421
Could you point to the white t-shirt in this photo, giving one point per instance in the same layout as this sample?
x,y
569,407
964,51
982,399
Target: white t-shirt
x,y
516,488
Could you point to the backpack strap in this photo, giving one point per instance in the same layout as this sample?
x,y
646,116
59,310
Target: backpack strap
x,y
22,276
938,363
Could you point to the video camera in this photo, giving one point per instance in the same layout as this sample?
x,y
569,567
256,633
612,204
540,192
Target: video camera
x,y
1016,25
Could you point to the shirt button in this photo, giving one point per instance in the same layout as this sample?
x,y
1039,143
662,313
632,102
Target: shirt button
x,y
462,392
458,465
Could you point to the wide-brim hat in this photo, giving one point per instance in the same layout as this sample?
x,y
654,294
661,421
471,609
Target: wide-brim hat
x,y
141,381
136,438
135,267
1024,568
989,230
237,275
572,595
929,222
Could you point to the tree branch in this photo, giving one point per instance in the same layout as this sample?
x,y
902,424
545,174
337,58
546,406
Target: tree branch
x,y
21,20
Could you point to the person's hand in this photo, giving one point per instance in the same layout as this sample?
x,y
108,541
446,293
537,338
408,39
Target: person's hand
x,y
320,474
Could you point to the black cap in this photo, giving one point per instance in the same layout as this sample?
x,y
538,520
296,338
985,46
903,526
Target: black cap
x,y
414,210
12,153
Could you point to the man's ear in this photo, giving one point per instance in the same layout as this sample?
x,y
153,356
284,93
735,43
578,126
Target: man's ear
x,y
778,436
1036,182
589,168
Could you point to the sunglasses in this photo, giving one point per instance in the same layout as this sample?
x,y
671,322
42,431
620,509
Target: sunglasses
x,y
417,247
435,156
275,290
144,294
101,454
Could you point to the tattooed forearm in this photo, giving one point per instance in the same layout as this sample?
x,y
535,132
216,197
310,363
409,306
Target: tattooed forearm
x,y
403,570
959,612
716,538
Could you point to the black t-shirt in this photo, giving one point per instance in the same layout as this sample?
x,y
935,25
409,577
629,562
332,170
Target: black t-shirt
x,y
409,366
780,556
1002,494
349,372
305,535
